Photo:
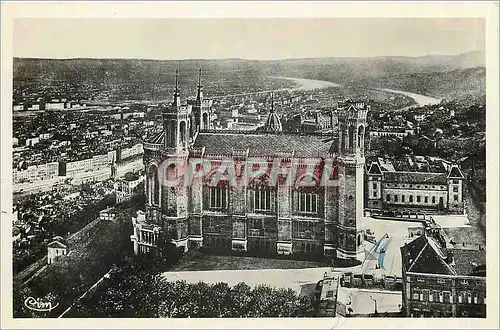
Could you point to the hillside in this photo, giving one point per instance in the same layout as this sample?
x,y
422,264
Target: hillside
x,y
449,85
439,75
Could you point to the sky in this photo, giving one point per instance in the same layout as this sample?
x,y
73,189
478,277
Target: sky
x,y
261,39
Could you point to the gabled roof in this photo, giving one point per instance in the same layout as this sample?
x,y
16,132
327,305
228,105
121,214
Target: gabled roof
x,y
423,255
455,173
57,244
374,169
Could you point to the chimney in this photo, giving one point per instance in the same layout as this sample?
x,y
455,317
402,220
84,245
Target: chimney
x,y
450,259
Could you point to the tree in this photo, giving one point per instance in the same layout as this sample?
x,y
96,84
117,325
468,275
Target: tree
x,y
241,299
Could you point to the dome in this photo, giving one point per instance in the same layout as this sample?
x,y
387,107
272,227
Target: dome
x,y
273,122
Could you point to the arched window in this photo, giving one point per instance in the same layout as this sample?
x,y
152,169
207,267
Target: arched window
x,y
154,186
351,138
262,196
342,139
361,137
205,121
182,132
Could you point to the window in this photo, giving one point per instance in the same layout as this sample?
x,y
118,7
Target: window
x,y
431,296
440,281
433,199
447,297
455,189
403,198
308,203
464,282
460,298
455,198
415,295
411,198
262,200
217,197
455,181
395,198
426,199
425,294
418,199
375,186
255,227
388,197
374,193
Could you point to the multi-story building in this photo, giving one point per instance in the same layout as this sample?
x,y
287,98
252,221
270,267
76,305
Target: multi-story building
x,y
393,131
259,192
125,187
45,171
414,190
75,168
442,280
130,152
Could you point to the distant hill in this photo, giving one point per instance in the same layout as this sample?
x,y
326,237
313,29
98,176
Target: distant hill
x,y
449,85
436,75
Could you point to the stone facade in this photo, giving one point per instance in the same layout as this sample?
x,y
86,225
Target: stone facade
x,y
274,212
440,281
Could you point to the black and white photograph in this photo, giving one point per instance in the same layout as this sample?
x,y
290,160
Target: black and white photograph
x,y
250,167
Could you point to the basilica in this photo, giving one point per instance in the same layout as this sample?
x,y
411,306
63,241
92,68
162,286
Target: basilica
x,y
254,205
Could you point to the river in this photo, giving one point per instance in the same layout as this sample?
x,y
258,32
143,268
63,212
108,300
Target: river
x,y
307,84
419,98
311,84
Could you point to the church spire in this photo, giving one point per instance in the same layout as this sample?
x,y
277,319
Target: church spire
x,y
177,97
272,102
199,95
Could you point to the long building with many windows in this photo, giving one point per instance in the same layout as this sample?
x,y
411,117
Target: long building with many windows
x,y
265,192
390,188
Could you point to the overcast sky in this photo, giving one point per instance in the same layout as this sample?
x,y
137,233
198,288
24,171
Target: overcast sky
x,y
245,38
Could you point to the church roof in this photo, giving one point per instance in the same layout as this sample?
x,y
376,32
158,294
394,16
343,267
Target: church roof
x,y
158,138
264,144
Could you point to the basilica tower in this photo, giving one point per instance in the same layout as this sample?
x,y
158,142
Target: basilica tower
x,y
201,109
351,149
